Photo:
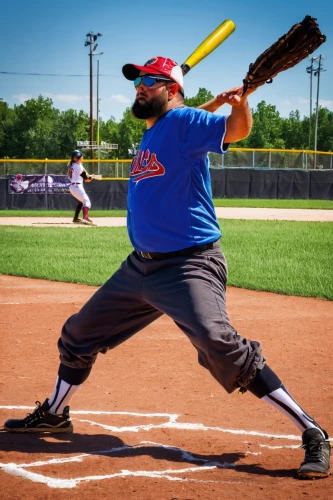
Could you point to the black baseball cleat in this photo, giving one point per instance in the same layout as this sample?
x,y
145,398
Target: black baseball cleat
x,y
41,420
77,220
316,463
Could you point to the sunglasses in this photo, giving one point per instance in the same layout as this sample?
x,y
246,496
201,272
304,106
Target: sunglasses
x,y
149,81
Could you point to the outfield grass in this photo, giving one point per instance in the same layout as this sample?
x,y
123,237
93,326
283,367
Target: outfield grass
x,y
60,213
258,203
76,255
222,202
292,258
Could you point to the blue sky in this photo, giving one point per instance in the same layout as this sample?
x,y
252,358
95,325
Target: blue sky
x,y
42,37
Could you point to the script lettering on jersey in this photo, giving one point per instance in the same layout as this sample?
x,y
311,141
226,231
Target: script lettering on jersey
x,y
144,165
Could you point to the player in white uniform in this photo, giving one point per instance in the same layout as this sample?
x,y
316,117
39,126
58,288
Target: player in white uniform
x,y
77,174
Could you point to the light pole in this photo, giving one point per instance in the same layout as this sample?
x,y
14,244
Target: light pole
x,y
97,107
317,73
97,114
310,70
91,40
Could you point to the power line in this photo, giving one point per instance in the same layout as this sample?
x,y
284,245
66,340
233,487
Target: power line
x,y
48,74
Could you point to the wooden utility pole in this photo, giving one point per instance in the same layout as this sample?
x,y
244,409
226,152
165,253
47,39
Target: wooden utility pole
x,y
91,41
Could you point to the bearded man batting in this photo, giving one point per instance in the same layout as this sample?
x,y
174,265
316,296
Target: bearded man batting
x,y
177,266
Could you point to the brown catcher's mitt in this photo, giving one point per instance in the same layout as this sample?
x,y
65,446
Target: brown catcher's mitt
x,y
300,41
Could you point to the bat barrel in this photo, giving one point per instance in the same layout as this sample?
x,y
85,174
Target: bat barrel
x,y
209,44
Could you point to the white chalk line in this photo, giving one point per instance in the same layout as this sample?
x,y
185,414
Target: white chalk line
x,y
185,455
10,303
171,424
290,447
14,470
23,303
168,474
20,469
98,412
185,426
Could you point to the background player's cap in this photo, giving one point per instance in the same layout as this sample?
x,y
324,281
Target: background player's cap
x,y
76,154
156,66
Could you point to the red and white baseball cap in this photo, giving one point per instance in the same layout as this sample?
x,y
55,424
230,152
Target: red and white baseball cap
x,y
157,65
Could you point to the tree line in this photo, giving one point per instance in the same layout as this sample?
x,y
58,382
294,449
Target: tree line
x,y
36,129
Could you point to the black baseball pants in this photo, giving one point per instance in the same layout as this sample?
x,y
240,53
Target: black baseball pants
x,y
191,290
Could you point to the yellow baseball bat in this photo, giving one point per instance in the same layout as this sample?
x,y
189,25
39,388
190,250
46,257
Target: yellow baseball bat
x,y
218,36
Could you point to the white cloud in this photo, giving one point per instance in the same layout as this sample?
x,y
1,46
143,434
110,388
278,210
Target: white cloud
x,y
295,102
67,98
303,100
64,98
302,104
119,98
22,97
326,104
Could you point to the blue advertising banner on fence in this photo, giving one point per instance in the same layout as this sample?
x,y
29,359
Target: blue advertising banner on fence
x,y
38,184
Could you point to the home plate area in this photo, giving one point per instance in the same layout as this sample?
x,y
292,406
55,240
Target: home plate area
x,y
109,445
150,423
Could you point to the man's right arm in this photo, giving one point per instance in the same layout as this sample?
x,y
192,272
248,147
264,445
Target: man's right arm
x,y
239,123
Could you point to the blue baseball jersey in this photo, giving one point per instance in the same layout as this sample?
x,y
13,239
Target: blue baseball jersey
x,y
169,204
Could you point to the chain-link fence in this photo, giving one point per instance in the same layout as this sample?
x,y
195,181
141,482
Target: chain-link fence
x,y
272,158
236,158
107,168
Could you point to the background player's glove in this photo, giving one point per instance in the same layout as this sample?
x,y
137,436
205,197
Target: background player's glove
x,y
93,177
301,40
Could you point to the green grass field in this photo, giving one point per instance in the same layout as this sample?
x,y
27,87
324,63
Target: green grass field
x,y
255,203
224,202
60,213
292,258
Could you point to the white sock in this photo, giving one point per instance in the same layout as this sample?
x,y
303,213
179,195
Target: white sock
x,y
282,401
61,396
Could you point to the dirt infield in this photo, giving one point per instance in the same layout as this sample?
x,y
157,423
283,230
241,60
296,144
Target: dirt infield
x,y
221,212
150,423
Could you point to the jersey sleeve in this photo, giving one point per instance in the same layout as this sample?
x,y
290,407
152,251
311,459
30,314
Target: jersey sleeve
x,y
78,168
201,132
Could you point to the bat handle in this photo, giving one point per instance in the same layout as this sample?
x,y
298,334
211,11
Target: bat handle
x,y
185,68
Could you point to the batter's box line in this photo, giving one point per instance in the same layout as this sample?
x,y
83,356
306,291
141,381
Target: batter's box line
x,y
185,455
15,470
168,474
171,424
97,412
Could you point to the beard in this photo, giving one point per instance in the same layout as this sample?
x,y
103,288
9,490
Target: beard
x,y
148,109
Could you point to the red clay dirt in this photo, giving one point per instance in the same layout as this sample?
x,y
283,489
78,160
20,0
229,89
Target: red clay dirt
x,y
150,423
